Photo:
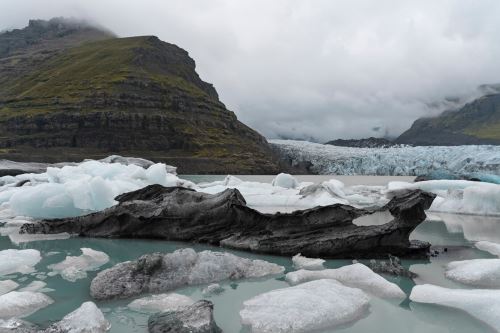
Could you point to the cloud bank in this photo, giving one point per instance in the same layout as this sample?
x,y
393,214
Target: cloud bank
x,y
316,70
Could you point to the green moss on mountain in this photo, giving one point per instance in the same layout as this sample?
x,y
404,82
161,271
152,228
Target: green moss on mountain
x,y
477,122
137,96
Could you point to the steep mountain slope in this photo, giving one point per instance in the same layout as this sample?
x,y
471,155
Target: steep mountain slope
x,y
477,122
133,96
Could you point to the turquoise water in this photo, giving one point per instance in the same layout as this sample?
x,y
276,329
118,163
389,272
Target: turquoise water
x,y
456,233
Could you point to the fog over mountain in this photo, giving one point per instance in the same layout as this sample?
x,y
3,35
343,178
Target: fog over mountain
x,y
316,70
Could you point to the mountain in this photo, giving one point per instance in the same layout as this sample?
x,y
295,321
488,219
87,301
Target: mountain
x,y
370,142
71,91
477,122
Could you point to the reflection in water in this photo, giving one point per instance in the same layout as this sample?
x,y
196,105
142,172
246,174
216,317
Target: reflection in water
x,y
456,233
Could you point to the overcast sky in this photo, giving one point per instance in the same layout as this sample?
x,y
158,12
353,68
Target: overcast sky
x,y
313,69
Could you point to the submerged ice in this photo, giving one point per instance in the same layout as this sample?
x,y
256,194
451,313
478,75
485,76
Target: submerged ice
x,y
160,302
75,267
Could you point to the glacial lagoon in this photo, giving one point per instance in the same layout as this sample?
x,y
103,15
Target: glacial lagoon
x,y
456,233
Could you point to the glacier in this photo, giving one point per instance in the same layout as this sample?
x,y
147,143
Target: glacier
x,y
393,161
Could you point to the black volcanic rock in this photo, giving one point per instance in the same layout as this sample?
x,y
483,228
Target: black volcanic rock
x,y
175,213
197,318
362,143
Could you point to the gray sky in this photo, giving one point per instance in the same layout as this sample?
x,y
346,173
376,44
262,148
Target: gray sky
x,y
313,69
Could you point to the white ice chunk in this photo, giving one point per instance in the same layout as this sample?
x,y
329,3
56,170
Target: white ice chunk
x,y
20,304
457,196
301,262
212,289
86,319
355,275
75,267
493,248
7,286
285,180
34,286
307,307
160,303
475,272
479,303
18,261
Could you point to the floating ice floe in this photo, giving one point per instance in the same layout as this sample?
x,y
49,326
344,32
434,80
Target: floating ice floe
x,y
160,303
479,303
475,272
36,286
493,248
76,267
7,286
355,275
174,270
307,307
86,319
18,261
20,304
212,289
285,180
456,196
301,262
80,189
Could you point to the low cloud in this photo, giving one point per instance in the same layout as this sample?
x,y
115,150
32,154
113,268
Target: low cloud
x,y
316,70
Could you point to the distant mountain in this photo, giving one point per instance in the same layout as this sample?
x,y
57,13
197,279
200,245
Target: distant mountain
x,y
477,122
70,91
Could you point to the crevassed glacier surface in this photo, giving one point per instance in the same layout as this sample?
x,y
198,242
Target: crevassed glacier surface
x,y
394,161
304,308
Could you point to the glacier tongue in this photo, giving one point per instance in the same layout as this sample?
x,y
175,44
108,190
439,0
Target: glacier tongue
x,y
394,161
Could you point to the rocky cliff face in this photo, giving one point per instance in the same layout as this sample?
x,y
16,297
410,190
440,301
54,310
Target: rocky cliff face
x,y
91,94
477,122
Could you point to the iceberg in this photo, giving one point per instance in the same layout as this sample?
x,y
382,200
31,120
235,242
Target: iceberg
x,y
159,272
75,267
20,304
456,196
285,180
74,190
7,286
18,261
307,307
393,161
301,262
160,303
475,272
479,303
355,275
86,319
493,248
